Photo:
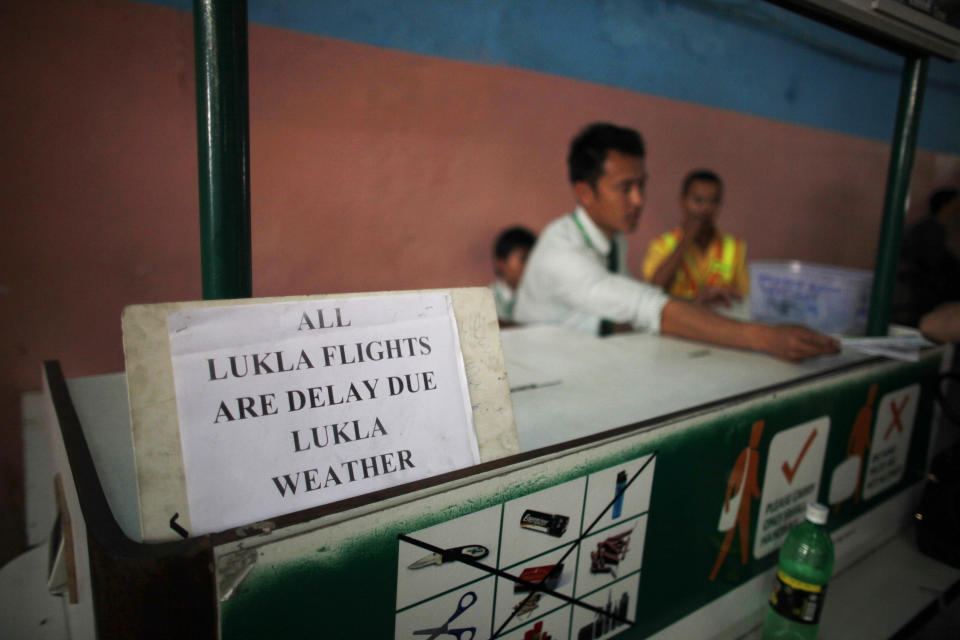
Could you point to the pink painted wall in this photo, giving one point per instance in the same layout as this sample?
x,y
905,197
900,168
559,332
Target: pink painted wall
x,y
371,170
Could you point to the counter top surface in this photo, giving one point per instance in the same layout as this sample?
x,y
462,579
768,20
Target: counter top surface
x,y
566,384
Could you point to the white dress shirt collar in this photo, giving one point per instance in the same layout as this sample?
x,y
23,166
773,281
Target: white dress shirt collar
x,y
592,233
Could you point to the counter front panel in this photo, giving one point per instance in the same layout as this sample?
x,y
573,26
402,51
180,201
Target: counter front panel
x,y
629,532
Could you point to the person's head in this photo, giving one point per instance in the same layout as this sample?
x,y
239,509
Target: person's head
x,y
510,254
944,202
608,173
700,198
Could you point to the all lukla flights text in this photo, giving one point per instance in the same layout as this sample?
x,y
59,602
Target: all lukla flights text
x,y
270,362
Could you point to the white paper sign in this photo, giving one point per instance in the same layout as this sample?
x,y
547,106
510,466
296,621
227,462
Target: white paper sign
x,y
289,405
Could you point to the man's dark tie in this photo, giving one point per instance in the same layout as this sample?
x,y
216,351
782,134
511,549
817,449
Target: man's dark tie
x,y
606,326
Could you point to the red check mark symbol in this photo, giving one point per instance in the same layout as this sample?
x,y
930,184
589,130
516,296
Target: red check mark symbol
x,y
790,473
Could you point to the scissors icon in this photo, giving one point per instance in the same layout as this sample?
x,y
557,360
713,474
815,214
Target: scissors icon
x,y
467,600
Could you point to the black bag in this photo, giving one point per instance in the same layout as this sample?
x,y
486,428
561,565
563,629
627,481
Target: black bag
x,y
938,516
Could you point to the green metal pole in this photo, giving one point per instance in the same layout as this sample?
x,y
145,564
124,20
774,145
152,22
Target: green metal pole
x,y
912,85
223,145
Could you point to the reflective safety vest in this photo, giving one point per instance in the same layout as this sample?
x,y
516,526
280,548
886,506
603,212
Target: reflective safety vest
x,y
719,269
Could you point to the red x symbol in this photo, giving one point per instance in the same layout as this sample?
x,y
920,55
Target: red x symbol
x,y
896,416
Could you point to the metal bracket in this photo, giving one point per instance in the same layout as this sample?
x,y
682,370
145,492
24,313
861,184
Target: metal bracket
x,y
232,571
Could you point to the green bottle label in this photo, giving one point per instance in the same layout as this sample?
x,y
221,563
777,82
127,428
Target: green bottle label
x,y
796,600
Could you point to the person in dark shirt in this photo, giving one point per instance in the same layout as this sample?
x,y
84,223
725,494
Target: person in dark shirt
x,y
929,271
510,252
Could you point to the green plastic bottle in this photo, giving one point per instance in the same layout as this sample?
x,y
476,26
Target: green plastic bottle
x,y
806,562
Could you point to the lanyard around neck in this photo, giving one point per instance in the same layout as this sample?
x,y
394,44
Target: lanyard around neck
x,y
586,237
611,256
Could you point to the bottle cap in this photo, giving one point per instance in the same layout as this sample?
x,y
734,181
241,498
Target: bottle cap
x,y
817,513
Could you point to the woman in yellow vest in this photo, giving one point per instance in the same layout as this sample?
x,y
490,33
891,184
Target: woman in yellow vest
x,y
695,261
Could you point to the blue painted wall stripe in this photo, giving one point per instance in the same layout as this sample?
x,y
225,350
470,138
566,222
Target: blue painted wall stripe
x,y
742,55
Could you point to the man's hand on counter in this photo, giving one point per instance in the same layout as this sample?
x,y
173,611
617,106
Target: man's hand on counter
x,y
795,343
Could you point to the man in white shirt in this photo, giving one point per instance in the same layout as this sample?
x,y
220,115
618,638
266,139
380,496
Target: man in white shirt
x,y
575,274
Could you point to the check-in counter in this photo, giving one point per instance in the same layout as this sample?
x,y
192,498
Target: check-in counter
x,y
661,474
